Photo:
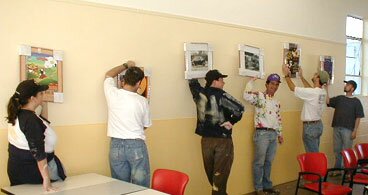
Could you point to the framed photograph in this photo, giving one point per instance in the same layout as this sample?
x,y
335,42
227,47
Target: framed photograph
x,y
145,86
291,57
251,61
45,67
198,60
327,64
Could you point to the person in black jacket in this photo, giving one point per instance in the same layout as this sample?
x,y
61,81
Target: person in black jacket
x,y
31,139
217,112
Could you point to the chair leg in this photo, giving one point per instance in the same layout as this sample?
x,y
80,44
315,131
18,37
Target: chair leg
x,y
297,186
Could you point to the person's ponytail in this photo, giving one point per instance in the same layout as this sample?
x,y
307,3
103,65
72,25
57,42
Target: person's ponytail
x,y
14,106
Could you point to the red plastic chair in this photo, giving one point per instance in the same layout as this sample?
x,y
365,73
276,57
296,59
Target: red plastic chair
x,y
169,181
355,174
362,152
314,173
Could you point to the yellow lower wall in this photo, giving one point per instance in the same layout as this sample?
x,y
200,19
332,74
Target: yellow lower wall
x,y
172,144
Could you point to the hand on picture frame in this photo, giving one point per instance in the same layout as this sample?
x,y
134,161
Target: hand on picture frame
x,y
286,70
129,63
300,72
254,78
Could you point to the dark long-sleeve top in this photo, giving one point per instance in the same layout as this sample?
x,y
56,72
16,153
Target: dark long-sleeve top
x,y
31,139
214,107
31,132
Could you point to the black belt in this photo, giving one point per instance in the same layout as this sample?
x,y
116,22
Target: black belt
x,y
265,129
311,122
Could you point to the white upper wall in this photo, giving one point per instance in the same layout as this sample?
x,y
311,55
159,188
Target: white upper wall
x,y
321,19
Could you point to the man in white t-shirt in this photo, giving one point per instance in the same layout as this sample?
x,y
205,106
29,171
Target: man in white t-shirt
x,y
128,117
314,98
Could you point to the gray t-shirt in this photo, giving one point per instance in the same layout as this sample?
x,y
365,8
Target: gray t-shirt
x,y
347,109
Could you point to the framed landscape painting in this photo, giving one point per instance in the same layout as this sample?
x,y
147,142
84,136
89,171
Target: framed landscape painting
x,y
198,60
45,67
251,61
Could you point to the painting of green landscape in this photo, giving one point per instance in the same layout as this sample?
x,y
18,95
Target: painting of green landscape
x,y
43,68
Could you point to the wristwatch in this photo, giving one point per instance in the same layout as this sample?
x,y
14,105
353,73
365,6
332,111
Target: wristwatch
x,y
125,65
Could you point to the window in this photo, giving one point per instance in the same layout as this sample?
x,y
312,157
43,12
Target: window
x,y
354,36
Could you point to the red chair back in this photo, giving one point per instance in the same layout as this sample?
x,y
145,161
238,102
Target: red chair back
x,y
362,150
350,158
169,181
314,162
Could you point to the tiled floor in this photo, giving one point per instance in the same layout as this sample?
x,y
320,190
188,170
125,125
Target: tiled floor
x,y
289,188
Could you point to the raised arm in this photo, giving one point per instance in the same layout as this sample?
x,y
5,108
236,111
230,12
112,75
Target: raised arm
x,y
327,95
249,95
118,69
44,110
287,73
305,82
195,88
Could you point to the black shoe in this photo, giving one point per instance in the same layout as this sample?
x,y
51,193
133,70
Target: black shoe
x,y
272,191
335,174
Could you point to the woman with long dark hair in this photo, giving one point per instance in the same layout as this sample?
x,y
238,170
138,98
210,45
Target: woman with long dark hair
x,y
31,140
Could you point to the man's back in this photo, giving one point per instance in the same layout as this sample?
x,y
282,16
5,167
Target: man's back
x,y
314,102
214,107
128,112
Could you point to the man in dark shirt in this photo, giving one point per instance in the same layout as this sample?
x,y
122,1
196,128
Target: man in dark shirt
x,y
348,111
217,112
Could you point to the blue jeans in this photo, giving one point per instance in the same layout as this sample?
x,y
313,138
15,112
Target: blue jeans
x,y
129,161
311,135
342,140
265,148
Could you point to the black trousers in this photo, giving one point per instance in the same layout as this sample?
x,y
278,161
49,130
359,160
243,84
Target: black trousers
x,y
23,168
218,156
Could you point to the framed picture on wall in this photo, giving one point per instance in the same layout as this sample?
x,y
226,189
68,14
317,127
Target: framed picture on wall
x,y
327,64
198,60
45,67
291,57
145,86
251,61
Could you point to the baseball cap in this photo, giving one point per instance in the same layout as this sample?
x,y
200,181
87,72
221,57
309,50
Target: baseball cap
x,y
213,75
351,82
28,88
274,77
323,76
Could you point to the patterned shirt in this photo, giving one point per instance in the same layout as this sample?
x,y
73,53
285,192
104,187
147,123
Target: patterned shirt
x,y
267,109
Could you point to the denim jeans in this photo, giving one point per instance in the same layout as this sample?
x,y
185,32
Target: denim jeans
x,y
129,161
218,156
311,136
265,148
53,170
342,140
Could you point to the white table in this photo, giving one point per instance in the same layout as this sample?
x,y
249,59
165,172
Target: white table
x,y
148,192
87,184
